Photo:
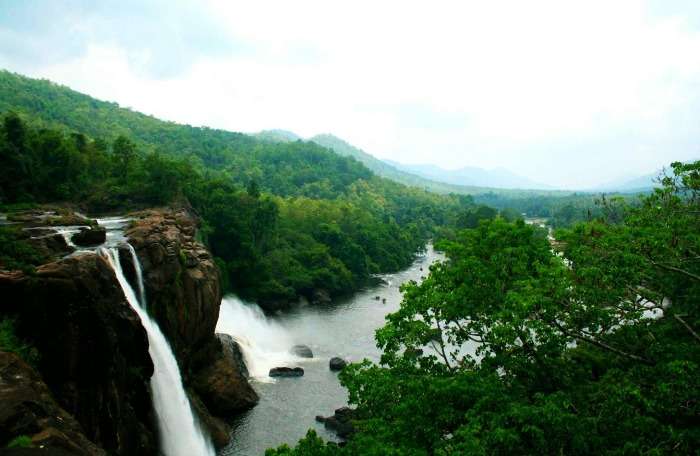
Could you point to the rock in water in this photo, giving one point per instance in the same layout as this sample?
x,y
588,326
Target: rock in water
x,y
233,350
88,237
302,351
221,384
286,372
337,364
320,296
340,422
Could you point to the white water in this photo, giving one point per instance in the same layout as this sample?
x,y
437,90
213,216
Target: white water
x,y
264,343
180,432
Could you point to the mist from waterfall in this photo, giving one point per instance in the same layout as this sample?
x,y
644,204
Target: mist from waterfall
x,y
264,343
179,429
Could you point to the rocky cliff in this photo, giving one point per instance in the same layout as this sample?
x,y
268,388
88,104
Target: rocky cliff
x,y
93,350
183,292
88,392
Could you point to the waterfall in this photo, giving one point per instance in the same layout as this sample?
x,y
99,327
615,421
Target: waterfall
x,y
264,343
139,276
180,432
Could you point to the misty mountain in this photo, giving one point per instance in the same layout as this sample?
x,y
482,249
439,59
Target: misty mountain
x,y
642,183
472,176
387,169
277,135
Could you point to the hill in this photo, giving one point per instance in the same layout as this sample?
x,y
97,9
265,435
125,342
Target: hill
x,y
283,218
419,176
471,176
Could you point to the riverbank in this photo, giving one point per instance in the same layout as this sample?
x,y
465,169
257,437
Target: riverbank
x,y
343,328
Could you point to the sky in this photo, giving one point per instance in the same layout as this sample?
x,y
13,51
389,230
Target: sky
x,y
572,94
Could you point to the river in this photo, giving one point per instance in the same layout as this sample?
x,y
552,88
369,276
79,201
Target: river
x,y
344,328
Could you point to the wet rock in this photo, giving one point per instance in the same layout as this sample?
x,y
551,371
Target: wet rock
x,y
29,409
217,429
89,237
337,364
182,282
286,372
234,351
50,218
340,422
52,245
320,296
302,351
94,350
183,291
377,298
221,384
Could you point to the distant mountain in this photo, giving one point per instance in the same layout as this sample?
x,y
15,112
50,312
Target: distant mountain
x,y
388,170
472,176
638,184
277,136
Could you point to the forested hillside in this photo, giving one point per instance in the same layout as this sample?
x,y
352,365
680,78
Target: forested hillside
x,y
283,219
593,349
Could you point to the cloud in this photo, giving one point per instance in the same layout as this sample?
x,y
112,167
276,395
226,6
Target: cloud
x,y
568,93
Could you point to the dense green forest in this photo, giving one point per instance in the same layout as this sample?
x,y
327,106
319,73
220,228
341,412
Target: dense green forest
x,y
308,220
510,348
245,156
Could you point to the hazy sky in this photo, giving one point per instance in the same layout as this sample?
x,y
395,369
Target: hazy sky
x,y
568,93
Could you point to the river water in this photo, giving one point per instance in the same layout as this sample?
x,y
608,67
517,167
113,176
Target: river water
x,y
344,328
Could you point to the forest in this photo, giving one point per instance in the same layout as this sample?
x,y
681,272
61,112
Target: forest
x,y
511,347
308,220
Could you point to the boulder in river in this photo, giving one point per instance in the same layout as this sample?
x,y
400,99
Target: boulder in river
x,y
286,372
302,351
88,237
337,364
320,296
340,422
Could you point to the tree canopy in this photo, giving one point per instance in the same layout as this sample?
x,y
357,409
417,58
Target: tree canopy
x,y
513,347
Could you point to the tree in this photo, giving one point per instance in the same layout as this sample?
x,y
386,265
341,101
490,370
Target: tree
x,y
125,151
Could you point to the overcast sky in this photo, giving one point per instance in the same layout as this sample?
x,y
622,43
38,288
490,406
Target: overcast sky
x,y
568,93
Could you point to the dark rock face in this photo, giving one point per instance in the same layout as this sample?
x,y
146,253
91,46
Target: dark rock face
x,y
28,409
340,422
218,429
88,237
302,351
222,386
337,364
182,281
286,372
51,245
233,350
94,351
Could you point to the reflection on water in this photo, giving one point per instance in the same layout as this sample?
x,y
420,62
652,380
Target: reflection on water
x,y
344,328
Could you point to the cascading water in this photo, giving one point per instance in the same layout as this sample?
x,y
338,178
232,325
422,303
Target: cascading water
x,y
180,432
264,343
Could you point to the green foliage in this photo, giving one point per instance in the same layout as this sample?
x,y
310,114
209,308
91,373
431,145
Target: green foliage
x,y
15,252
283,219
508,348
9,342
309,445
21,441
